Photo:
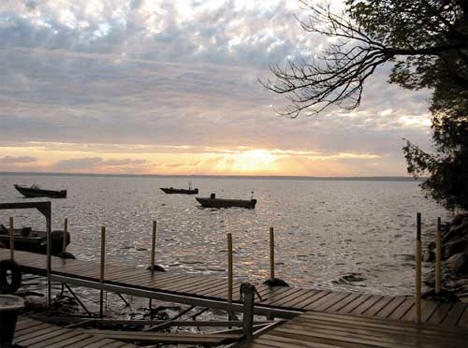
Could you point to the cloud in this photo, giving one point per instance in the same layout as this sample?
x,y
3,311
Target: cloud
x,y
142,76
13,160
90,163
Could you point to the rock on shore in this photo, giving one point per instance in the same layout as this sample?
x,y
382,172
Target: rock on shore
x,y
454,251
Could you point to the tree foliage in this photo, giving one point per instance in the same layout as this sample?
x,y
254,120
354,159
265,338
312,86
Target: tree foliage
x,y
448,165
426,41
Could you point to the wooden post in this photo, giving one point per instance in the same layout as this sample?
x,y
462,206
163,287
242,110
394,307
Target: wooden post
x,y
65,236
273,281
153,250
272,254
248,293
229,248
101,279
12,240
153,245
438,257
418,268
49,255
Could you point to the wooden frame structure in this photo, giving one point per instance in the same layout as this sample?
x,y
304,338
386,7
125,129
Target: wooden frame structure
x,y
45,208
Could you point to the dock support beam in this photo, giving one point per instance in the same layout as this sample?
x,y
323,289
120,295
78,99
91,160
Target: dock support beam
x,y
65,236
101,278
230,267
273,281
418,269
12,239
438,257
248,292
153,245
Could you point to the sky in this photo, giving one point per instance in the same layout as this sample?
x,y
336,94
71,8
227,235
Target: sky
x,y
171,87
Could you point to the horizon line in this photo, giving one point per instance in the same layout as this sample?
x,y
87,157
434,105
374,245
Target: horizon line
x,y
375,177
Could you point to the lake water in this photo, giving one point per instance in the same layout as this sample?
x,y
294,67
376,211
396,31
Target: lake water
x,y
342,235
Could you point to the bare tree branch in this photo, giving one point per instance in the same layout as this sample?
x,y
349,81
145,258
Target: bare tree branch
x,y
338,75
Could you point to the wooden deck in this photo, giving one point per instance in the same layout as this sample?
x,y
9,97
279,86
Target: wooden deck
x,y
203,289
36,334
327,330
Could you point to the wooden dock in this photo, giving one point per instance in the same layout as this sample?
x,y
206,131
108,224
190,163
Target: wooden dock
x,y
327,330
36,334
207,291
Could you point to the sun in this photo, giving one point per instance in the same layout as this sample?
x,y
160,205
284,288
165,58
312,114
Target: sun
x,y
249,161
257,155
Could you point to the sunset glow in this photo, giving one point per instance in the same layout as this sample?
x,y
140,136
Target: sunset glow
x,y
168,160
157,87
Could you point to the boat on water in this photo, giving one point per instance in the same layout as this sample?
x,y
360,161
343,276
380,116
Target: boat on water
x,y
27,239
213,202
172,190
36,191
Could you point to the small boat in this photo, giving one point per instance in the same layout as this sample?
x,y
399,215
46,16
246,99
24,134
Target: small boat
x,y
35,191
172,190
213,202
28,239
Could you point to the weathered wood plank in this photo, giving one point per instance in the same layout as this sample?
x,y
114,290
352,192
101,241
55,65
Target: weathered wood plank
x,y
463,321
87,342
157,337
382,323
65,340
312,299
276,294
52,333
307,294
205,283
378,306
402,309
342,330
366,305
454,315
382,338
390,307
328,301
23,324
440,313
355,303
41,330
36,334
283,342
349,299
288,297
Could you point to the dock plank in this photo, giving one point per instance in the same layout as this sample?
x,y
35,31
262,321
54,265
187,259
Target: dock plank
x,y
454,315
328,301
313,329
204,287
45,335
390,307
440,313
312,299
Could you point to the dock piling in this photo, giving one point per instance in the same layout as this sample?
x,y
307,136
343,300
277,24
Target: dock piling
x,y
247,292
65,236
153,245
101,278
418,269
12,240
229,249
152,266
272,253
438,257
273,281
